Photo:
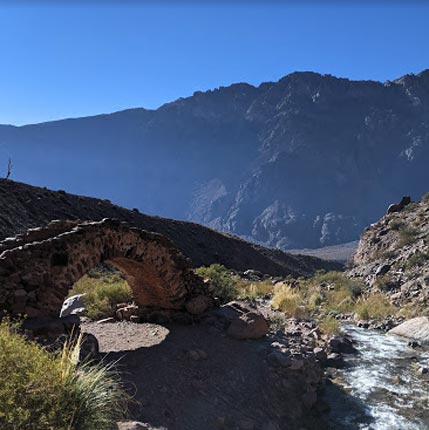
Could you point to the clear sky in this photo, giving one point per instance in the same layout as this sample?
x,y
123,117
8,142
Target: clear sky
x,y
59,60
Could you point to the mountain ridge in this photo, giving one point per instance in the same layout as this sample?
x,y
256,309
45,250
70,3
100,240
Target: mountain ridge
x,y
304,162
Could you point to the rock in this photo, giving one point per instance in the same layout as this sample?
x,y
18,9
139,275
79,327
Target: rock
x,y
89,349
52,326
335,360
422,370
415,328
74,305
135,319
363,324
320,354
106,320
279,359
232,310
413,344
382,270
393,208
396,296
134,425
253,275
406,200
197,354
125,313
248,326
341,345
198,305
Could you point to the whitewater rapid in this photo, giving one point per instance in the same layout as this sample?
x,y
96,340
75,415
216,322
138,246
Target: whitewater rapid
x,y
380,388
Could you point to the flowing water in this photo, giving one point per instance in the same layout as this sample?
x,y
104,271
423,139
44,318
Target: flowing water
x,y
380,389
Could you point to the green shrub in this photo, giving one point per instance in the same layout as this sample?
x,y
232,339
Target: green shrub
x,y
289,301
224,283
43,391
374,306
102,292
384,282
92,391
338,299
253,290
315,301
425,198
329,325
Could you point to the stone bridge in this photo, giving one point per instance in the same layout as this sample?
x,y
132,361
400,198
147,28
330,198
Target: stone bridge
x,y
38,268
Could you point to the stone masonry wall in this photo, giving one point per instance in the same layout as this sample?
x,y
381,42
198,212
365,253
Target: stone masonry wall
x,y
38,268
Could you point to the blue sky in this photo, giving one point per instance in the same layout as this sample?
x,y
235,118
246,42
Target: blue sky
x,y
67,61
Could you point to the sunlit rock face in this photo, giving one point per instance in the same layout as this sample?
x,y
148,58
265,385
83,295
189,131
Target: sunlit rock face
x,y
393,255
307,161
38,268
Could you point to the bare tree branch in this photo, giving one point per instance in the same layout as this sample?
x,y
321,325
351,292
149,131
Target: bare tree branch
x,y
9,169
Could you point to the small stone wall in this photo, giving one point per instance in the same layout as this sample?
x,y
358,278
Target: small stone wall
x,y
38,268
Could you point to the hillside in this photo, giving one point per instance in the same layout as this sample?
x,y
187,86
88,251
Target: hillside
x,y
23,206
305,162
393,255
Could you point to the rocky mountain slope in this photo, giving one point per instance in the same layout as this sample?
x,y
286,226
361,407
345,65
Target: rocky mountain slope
x,y
304,162
393,255
23,206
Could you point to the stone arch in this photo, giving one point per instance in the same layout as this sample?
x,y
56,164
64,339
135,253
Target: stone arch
x,y
38,268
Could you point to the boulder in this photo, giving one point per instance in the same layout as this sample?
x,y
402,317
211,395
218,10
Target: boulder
x,y
198,305
341,345
250,325
125,313
415,328
320,354
73,305
405,201
89,348
52,326
382,270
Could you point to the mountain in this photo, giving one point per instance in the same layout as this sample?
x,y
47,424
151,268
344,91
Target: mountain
x,y
393,255
304,162
23,206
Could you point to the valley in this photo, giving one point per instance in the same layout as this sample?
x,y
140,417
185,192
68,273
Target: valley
x,y
309,333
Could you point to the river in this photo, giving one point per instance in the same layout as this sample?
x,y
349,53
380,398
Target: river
x,y
379,388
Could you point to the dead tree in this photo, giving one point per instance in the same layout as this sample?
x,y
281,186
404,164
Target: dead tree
x,y
9,169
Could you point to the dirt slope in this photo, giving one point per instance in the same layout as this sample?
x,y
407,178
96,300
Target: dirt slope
x,y
23,206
